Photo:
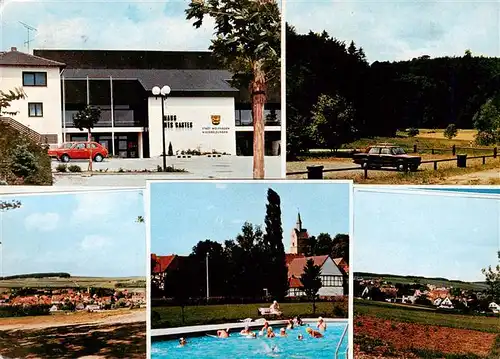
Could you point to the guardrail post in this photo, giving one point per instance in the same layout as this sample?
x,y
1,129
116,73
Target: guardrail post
x,y
366,172
435,165
484,160
495,151
462,161
415,148
315,172
454,150
432,150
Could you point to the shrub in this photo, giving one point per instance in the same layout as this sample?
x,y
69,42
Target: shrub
x,y
23,161
450,131
75,168
412,132
61,167
486,138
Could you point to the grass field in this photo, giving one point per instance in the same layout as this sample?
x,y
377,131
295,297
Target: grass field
x,y
421,316
462,135
74,282
433,281
217,314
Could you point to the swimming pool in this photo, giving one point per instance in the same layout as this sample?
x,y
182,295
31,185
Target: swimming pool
x,y
240,347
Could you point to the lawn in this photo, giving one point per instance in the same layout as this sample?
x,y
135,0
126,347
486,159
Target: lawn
x,y
422,316
215,314
74,282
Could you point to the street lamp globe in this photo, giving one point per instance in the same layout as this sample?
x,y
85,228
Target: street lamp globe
x,y
156,90
165,90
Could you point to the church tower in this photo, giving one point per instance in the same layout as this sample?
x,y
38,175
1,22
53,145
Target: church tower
x,y
299,237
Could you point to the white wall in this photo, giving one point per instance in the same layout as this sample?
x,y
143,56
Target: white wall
x,y
50,96
199,111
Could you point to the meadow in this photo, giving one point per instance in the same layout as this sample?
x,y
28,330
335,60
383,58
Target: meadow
x,y
74,282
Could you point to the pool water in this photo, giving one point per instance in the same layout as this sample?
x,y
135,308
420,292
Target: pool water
x,y
241,347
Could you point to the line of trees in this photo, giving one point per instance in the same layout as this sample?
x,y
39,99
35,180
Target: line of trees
x,y
334,95
39,275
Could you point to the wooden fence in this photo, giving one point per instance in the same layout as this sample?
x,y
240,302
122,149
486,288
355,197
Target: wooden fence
x,y
316,172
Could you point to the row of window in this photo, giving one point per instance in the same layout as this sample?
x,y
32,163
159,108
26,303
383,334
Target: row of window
x,y
331,281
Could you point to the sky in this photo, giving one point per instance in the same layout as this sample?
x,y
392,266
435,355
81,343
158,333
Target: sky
x,y
84,234
182,214
394,30
111,25
425,233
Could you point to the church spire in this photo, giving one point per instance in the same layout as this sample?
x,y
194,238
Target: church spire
x,y
298,226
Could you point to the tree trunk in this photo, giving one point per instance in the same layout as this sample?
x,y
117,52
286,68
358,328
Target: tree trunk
x,y
182,314
258,91
314,306
89,138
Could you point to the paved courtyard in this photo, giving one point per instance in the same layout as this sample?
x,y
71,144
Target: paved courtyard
x,y
198,167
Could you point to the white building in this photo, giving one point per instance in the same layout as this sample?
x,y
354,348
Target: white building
x,y
40,79
203,112
332,278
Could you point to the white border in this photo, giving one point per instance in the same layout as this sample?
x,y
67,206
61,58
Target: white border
x,y
75,192
424,192
283,89
147,211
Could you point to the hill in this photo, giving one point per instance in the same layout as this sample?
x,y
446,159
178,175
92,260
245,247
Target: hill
x,y
437,281
73,282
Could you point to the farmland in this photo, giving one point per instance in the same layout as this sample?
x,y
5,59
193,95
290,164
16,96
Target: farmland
x,y
74,282
387,330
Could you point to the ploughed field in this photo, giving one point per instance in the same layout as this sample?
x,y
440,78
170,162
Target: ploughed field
x,y
383,330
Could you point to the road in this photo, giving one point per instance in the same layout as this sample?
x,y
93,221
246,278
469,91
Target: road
x,y
197,167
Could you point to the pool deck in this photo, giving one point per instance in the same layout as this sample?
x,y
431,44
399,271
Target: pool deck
x,y
198,330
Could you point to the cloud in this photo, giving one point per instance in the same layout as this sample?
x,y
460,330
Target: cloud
x,y
221,186
44,222
95,242
100,207
132,25
398,30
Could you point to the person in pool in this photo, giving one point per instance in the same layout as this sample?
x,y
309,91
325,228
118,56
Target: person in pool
x,y
283,332
298,321
245,331
182,342
300,337
252,335
270,333
290,324
313,333
321,324
223,333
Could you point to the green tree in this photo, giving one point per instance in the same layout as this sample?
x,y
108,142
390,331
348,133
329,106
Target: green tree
x,y
87,119
492,275
7,97
24,162
248,42
451,131
277,275
175,284
311,281
487,123
333,122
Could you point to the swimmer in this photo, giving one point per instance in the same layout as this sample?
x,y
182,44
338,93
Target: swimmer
x,y
252,335
300,337
297,321
270,333
182,342
266,325
290,324
223,333
283,332
313,333
245,331
321,324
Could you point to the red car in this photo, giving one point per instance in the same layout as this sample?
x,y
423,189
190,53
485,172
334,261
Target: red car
x,y
79,151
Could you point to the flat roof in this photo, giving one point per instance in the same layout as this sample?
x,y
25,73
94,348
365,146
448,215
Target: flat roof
x,y
178,80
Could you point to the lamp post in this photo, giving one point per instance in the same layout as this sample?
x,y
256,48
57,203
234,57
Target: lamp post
x,y
163,93
208,288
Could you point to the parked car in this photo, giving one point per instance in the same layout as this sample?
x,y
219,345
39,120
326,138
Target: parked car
x,y
79,151
387,156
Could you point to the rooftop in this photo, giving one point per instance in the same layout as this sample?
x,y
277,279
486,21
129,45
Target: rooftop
x,y
17,58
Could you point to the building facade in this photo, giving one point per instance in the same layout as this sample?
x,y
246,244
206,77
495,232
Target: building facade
x,y
299,237
40,79
204,113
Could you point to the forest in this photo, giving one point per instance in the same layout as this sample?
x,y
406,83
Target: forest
x,y
334,96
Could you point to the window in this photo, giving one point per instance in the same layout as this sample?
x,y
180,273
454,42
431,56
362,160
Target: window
x,y
80,146
398,151
331,281
35,109
34,79
91,145
374,151
385,151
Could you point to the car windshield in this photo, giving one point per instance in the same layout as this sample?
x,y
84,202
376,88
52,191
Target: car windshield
x,y
398,151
